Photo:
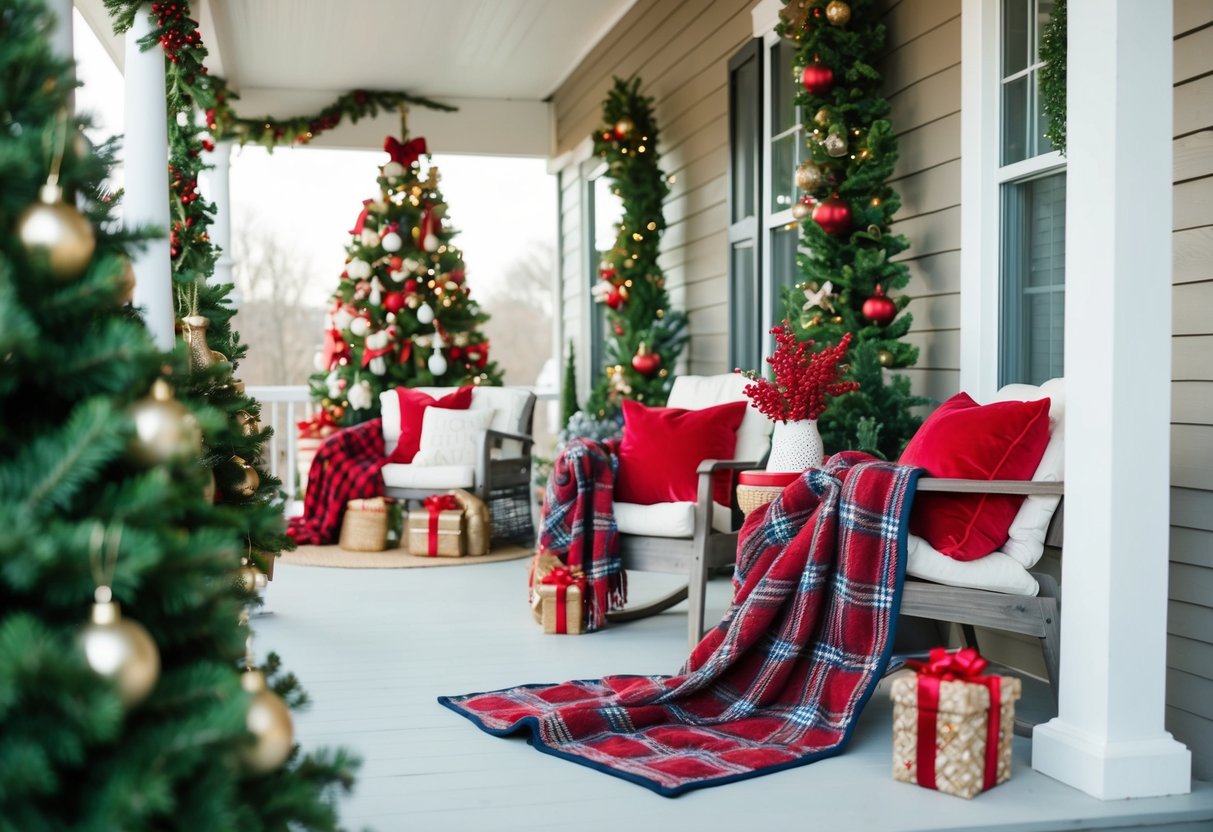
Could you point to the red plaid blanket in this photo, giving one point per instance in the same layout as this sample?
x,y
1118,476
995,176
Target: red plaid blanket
x,y
780,682
579,523
345,468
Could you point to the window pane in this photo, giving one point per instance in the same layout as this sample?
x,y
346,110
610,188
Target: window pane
x,y
744,315
1033,280
1041,124
608,211
1014,120
745,112
784,242
1015,35
783,91
783,165
1044,8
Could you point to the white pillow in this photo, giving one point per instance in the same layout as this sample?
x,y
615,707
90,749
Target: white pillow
x,y
995,572
452,437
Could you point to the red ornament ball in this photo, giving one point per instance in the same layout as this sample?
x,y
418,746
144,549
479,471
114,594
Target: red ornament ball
x,y
410,286
455,353
817,79
879,309
393,301
614,298
646,363
833,215
396,263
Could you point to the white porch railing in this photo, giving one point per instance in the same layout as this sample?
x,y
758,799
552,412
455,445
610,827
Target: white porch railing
x,y
281,408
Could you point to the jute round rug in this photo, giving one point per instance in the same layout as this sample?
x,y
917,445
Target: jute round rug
x,y
335,556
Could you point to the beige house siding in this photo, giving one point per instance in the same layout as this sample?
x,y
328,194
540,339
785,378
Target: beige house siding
x,y
680,50
1190,623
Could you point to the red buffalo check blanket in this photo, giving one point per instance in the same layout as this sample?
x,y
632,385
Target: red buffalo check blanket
x,y
345,468
781,680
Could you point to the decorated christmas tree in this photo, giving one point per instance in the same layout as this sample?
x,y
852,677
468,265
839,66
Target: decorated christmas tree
x,y
645,336
402,315
124,699
850,276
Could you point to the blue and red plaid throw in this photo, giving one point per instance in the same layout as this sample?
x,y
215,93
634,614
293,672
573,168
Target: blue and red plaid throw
x,y
780,681
579,523
346,467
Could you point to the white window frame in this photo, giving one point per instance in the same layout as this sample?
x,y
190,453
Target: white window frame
x,y
982,177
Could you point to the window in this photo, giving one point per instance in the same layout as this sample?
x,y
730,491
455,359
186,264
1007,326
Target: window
x,y
785,138
1032,182
745,196
603,211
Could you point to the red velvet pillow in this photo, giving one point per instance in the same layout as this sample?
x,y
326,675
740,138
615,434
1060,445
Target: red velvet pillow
x,y
663,446
412,408
1000,441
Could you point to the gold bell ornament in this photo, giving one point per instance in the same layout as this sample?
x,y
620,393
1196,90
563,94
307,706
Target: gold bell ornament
x,y
247,423
165,430
247,481
201,356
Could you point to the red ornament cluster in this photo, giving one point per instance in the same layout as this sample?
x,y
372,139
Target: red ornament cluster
x,y
803,378
179,33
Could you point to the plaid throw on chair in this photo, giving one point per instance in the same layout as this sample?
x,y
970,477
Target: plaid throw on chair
x,y
781,680
579,523
345,468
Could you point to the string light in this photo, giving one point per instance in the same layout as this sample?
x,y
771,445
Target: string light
x,y
652,226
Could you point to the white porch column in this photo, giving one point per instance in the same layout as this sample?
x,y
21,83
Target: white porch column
x,y
145,168
1108,739
220,193
61,35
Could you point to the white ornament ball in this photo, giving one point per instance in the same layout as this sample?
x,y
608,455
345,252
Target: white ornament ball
x,y
358,269
425,314
431,242
391,241
437,363
392,170
360,326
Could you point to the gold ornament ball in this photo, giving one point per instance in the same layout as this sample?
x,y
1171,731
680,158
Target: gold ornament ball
x,y
247,481
126,283
886,358
120,650
838,13
269,721
165,429
808,176
250,578
835,145
822,117
801,209
624,127
55,229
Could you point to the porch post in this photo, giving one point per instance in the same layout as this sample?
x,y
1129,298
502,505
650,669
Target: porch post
x,y
220,194
61,35
1108,739
145,161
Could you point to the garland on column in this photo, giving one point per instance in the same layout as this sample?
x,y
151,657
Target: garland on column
x,y
1053,75
247,498
645,335
849,274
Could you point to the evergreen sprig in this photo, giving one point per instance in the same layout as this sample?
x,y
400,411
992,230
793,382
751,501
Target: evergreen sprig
x,y
1053,75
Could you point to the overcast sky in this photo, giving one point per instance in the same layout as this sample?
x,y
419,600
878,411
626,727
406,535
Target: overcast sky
x,y
310,197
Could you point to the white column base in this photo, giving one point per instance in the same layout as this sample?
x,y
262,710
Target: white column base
x,y
1112,771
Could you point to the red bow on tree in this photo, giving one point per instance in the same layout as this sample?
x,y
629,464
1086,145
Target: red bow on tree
x,y
361,221
407,152
334,349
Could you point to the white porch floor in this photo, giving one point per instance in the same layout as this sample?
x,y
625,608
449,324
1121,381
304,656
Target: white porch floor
x,y
375,647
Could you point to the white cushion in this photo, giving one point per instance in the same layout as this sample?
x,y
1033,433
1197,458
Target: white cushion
x,y
507,403
698,392
452,437
437,477
996,572
1026,540
667,519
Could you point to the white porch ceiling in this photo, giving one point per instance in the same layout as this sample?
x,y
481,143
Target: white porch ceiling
x,y
497,60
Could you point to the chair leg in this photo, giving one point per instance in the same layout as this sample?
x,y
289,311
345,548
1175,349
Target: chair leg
x,y
1050,642
696,589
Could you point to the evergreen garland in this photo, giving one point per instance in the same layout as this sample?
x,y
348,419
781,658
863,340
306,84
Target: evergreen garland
x,y
847,250
1053,75
646,336
568,389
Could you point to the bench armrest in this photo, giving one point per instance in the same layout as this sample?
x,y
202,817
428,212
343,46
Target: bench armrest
x,y
959,486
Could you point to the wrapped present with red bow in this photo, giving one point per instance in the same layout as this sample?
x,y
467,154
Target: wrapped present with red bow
x,y
562,601
437,529
953,725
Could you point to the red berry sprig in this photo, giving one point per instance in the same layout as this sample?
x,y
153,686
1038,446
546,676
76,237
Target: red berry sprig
x,y
803,378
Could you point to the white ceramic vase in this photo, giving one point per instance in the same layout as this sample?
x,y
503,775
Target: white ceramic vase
x,y
795,446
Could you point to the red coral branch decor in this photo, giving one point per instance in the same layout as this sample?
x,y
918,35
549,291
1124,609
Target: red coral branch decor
x,y
803,378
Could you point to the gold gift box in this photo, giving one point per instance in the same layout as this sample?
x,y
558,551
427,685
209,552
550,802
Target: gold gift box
x,y
573,609
477,525
451,542
960,733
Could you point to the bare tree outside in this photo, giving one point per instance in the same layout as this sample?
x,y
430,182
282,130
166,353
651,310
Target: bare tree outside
x,y
275,317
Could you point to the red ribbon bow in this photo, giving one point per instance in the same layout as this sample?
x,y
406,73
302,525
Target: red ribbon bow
x,y
321,424
562,578
941,666
435,504
361,221
334,349
368,353
405,153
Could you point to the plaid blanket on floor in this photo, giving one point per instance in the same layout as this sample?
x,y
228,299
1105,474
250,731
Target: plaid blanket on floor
x,y
345,468
782,679
578,523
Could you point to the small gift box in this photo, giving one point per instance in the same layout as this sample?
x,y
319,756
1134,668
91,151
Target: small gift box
x,y
364,527
952,726
561,597
477,525
437,530
541,565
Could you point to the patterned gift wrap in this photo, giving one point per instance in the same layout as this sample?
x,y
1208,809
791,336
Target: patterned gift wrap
x,y
437,530
958,753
